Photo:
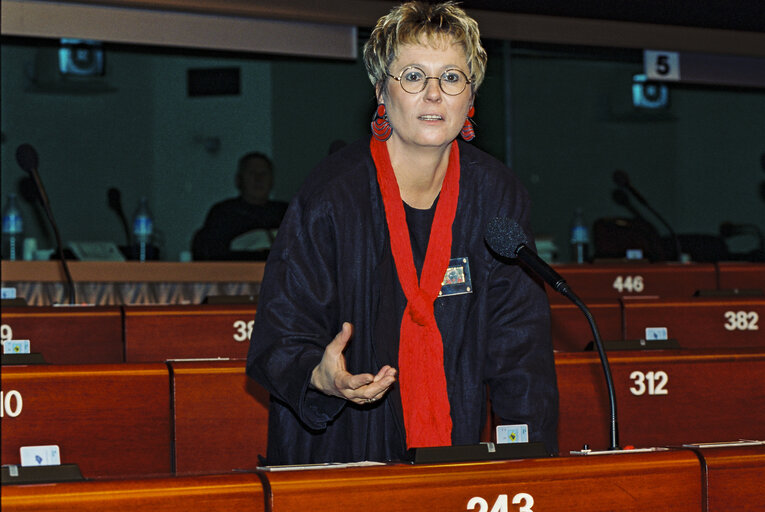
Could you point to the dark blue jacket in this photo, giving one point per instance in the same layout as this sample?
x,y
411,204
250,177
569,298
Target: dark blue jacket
x,y
332,263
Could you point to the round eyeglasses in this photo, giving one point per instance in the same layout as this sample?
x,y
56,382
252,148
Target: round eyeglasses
x,y
413,80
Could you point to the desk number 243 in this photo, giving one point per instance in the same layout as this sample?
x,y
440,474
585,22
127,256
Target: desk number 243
x,y
526,501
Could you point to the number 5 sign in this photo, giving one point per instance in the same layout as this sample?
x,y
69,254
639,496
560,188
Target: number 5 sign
x,y
659,65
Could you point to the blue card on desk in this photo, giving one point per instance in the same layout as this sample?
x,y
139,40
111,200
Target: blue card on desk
x,y
15,346
47,455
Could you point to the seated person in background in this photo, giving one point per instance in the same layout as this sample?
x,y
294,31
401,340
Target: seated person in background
x,y
242,228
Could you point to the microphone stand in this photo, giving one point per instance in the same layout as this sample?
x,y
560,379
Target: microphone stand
x,y
623,181
506,238
556,281
675,239
59,243
614,433
26,156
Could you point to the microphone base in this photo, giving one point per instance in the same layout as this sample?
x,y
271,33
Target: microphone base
x,y
636,345
23,359
40,474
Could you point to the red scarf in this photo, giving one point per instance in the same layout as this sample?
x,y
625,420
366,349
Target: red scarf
x,y
421,352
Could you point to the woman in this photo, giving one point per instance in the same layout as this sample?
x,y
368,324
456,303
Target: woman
x,y
384,244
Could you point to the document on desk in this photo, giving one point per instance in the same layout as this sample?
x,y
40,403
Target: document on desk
x,y
325,465
724,444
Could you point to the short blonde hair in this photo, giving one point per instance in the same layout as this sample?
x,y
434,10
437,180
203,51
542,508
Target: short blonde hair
x,y
413,22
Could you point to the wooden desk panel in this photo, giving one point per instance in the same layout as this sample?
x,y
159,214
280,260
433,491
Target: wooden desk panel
x,y
158,333
69,335
632,482
111,420
612,281
570,330
240,492
735,478
700,322
741,275
711,395
221,418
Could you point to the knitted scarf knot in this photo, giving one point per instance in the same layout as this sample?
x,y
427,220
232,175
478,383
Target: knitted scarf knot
x,y
421,307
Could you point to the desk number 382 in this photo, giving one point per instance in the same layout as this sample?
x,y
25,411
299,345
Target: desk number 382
x,y
741,321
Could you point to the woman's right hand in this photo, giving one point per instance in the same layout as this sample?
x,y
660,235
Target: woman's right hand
x,y
331,377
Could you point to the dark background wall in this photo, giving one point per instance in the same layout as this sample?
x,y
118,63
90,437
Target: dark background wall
x,y
561,116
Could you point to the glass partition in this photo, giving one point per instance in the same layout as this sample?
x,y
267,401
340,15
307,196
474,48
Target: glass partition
x,y
566,118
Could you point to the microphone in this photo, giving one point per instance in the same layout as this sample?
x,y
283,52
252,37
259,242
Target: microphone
x,y
506,237
27,158
620,197
622,180
115,203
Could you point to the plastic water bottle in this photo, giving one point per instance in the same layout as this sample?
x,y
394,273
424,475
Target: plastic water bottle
x,y
143,228
13,230
580,238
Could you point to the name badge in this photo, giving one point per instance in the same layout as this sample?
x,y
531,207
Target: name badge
x,y
457,278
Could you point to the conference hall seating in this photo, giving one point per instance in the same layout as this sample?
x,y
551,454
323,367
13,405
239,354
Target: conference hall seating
x,y
617,280
220,417
741,275
664,397
570,330
666,480
111,420
699,478
733,475
69,334
697,322
211,493
160,432
158,333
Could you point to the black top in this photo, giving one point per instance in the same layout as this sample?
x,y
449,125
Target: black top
x,y
229,219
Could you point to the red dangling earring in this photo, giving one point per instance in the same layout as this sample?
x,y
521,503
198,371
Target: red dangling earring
x,y
467,132
381,128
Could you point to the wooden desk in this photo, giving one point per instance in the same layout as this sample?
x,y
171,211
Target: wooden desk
x,y
612,281
111,420
570,330
69,335
741,275
699,322
158,333
663,397
221,417
734,478
632,482
239,491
